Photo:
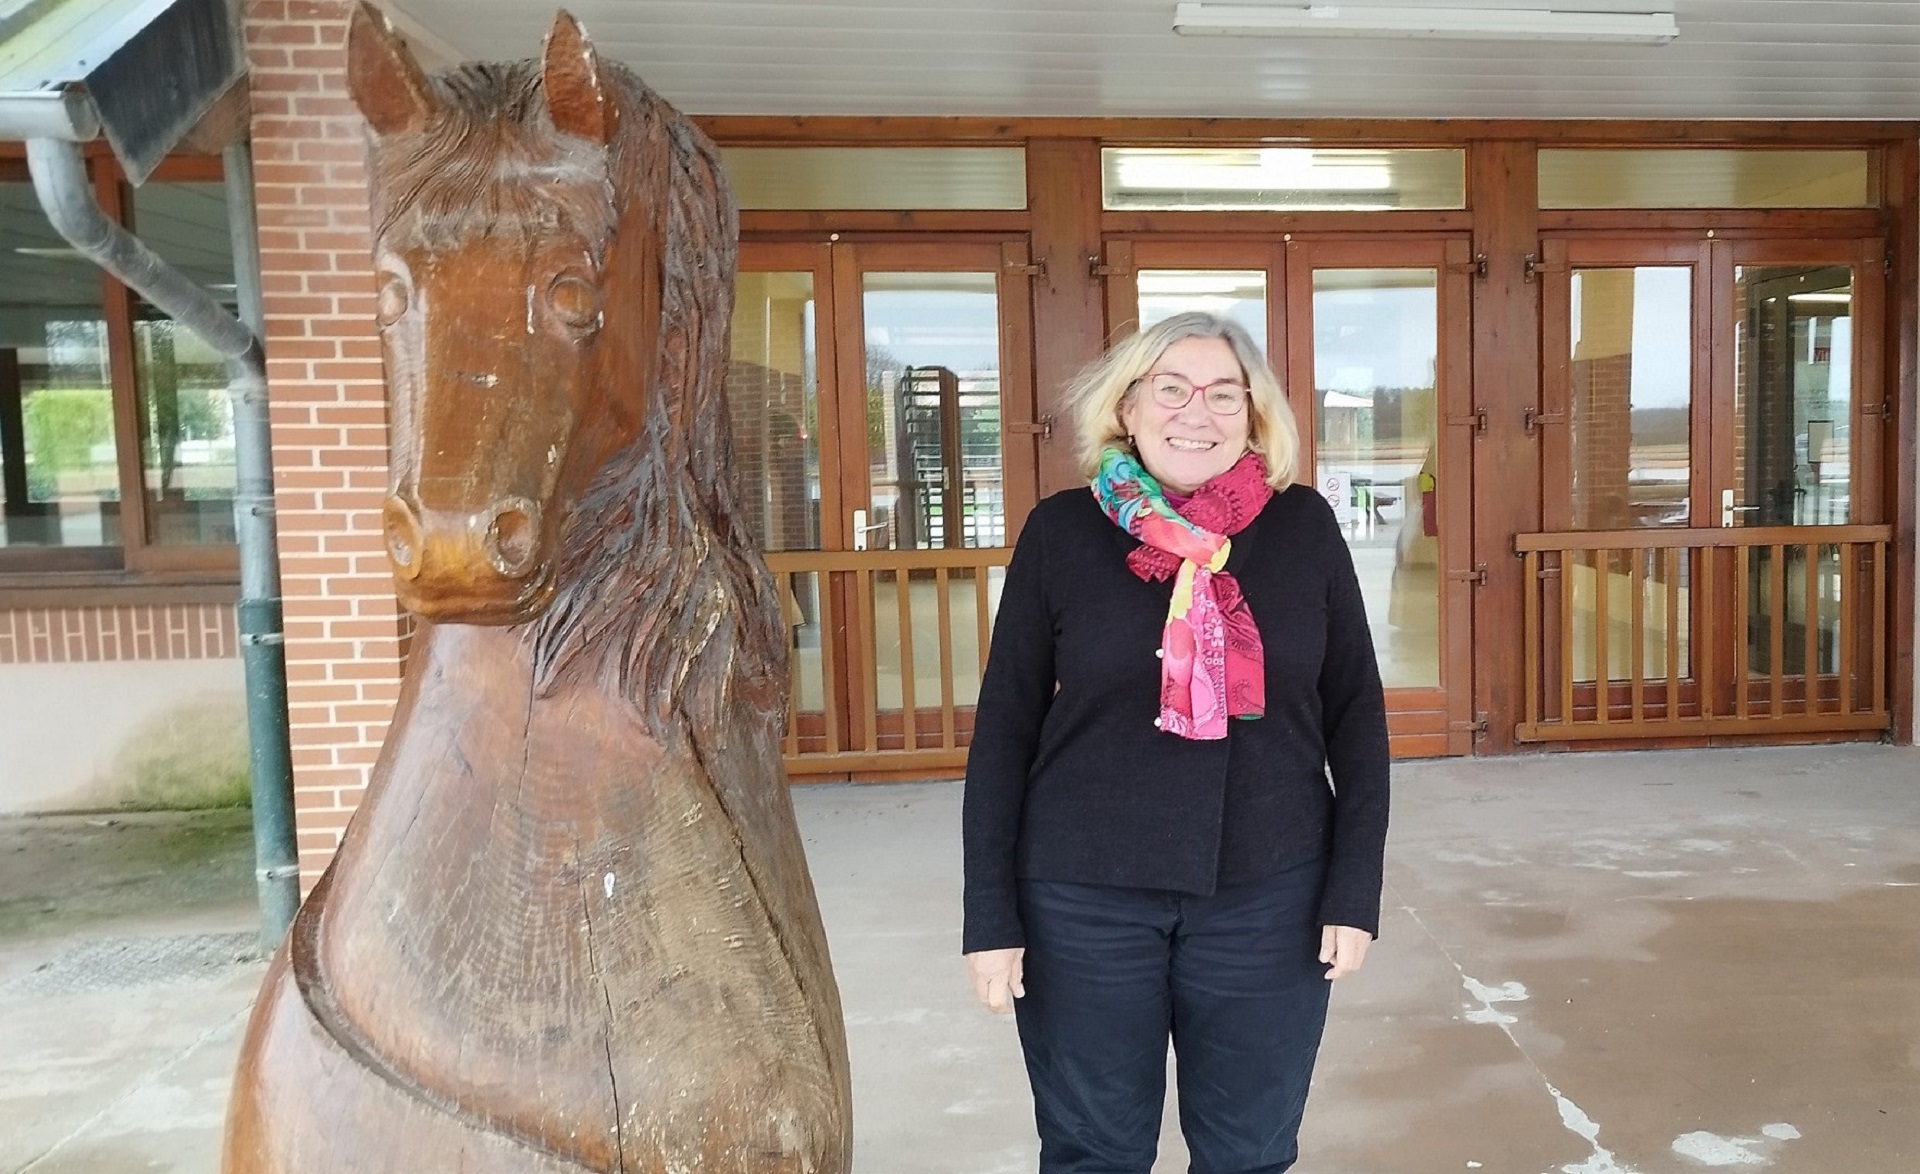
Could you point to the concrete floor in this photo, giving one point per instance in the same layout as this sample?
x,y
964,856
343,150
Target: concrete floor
x,y
1590,964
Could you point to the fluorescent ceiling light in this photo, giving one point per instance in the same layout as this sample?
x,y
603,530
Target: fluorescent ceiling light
x,y
1262,170
1471,24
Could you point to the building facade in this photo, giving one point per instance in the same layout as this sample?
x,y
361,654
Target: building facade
x,y
1618,416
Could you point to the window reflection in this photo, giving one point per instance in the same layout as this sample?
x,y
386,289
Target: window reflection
x,y
1793,403
1231,293
933,410
934,466
1793,395
1630,431
1632,396
772,394
59,471
186,419
1375,352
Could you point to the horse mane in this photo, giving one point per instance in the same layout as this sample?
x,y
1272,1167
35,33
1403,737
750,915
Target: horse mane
x,y
659,595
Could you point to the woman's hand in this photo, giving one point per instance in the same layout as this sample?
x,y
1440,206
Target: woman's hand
x,y
996,978
1344,948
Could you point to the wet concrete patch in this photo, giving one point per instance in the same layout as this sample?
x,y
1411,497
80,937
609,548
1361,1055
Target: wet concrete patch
x,y
61,872
1728,956
1749,1013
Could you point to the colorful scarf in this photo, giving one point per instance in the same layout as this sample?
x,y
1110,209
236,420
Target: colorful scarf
x,y
1211,660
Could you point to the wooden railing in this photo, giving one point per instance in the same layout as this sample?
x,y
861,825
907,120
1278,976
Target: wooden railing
x,y
1664,633
885,678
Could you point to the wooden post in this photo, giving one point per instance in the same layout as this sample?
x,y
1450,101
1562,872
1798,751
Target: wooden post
x,y
1501,183
1063,196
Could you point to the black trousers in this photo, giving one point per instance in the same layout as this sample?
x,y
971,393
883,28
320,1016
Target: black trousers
x,y
1233,980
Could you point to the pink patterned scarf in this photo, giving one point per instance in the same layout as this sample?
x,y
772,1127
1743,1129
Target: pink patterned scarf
x,y
1211,658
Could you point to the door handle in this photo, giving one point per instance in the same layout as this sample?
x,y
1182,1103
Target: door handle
x,y
1728,509
861,529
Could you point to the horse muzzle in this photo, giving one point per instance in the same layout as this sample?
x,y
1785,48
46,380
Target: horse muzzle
x,y
488,566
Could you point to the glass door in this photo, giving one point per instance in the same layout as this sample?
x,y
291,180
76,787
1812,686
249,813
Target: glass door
x,y
1798,444
882,406
1370,339
1624,427
936,336
1379,331
1710,422
781,408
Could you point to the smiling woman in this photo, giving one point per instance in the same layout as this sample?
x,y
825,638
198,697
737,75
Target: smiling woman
x,y
1152,849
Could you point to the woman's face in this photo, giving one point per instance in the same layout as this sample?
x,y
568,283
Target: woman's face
x,y
1186,447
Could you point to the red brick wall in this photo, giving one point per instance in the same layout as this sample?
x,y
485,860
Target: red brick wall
x,y
84,634
345,633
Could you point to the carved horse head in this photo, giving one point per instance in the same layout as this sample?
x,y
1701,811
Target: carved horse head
x,y
519,220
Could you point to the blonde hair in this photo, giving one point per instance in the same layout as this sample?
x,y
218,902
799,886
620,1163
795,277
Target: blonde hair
x,y
1098,392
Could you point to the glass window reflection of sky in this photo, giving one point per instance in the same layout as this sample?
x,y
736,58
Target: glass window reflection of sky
x,y
1662,371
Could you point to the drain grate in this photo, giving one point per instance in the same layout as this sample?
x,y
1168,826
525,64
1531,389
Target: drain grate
x,y
119,963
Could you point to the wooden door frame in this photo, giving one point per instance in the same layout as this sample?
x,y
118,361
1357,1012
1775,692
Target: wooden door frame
x,y
1872,402
1442,716
1873,395
1007,259
1564,254
850,258
1066,221
1712,425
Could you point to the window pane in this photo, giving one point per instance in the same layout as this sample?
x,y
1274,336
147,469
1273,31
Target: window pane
x,y
1632,372
186,419
1704,178
933,410
1792,464
1375,350
1298,179
848,178
934,464
1792,395
58,467
773,397
1630,431
1239,295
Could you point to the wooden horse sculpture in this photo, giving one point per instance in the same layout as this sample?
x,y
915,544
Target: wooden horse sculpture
x,y
571,926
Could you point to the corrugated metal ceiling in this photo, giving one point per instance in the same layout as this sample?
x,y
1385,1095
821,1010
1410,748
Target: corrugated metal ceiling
x,y
1734,59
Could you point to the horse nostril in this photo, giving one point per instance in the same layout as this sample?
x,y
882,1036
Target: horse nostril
x,y
403,537
512,540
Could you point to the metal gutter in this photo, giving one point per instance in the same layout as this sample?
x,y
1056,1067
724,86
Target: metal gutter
x,y
48,114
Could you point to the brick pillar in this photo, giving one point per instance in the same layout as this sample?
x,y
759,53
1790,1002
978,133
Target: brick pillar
x,y
346,634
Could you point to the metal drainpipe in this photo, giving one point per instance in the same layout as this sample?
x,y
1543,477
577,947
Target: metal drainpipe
x,y
60,178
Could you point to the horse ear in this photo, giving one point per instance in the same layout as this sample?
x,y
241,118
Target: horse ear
x,y
386,83
570,74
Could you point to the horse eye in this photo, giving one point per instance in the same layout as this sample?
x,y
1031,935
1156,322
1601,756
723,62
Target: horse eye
x,y
575,301
394,297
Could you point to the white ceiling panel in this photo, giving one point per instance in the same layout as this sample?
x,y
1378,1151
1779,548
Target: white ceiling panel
x,y
1756,59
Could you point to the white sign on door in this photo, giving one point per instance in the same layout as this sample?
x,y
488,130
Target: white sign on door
x,y
1337,488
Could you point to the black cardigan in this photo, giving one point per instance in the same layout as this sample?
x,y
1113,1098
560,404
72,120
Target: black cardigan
x,y
1078,785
